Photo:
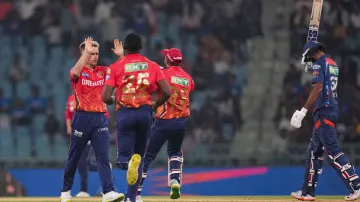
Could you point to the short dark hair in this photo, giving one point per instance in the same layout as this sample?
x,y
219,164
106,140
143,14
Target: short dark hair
x,y
94,44
132,43
322,49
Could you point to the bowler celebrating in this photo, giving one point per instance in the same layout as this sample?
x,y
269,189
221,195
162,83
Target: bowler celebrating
x,y
89,122
135,78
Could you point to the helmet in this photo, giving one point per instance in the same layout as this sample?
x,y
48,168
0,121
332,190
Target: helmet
x,y
308,50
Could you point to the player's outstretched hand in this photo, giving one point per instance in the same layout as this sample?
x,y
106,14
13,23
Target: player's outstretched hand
x,y
89,45
297,118
118,49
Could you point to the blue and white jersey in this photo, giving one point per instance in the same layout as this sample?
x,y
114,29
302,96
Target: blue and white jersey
x,y
326,71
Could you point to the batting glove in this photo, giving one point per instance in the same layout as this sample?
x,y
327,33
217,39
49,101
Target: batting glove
x,y
297,117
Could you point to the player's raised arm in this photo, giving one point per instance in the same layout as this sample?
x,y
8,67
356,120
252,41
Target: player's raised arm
x,y
312,52
110,82
118,49
89,49
164,86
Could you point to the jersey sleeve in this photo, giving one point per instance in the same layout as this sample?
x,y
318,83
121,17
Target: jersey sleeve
x,y
158,73
110,78
318,73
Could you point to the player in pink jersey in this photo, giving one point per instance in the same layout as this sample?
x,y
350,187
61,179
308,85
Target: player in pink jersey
x,y
170,122
89,122
135,78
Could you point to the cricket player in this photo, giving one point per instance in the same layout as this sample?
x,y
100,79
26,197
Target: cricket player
x,y
170,122
89,122
135,78
85,164
324,138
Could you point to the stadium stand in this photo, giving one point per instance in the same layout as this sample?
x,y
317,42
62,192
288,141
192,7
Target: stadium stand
x,y
38,46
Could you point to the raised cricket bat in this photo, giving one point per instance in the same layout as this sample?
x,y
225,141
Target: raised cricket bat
x,y
315,20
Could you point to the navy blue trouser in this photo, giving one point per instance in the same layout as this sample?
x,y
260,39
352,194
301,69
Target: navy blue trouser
x,y
324,138
133,129
85,165
87,127
172,131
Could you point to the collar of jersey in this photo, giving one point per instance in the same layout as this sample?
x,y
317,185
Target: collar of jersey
x,y
88,69
133,54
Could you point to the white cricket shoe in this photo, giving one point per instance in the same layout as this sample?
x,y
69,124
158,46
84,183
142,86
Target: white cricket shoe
x,y
83,194
138,198
113,197
298,195
66,196
353,196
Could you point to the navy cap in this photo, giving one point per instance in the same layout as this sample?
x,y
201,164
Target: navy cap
x,y
311,46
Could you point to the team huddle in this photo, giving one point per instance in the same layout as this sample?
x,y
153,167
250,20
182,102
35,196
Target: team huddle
x,y
140,135
129,84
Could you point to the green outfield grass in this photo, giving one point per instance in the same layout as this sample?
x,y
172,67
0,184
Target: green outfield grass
x,y
182,199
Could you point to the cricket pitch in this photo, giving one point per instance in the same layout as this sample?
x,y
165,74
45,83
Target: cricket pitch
x,y
182,199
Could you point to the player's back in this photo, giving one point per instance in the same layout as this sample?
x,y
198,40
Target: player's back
x,y
135,78
178,105
87,89
326,71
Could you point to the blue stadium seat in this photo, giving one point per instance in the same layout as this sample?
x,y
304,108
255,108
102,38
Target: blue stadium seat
x,y
38,122
42,148
161,19
62,148
157,39
22,131
23,90
37,42
191,53
23,52
198,98
227,132
172,32
5,41
55,62
6,58
201,150
38,54
6,143
7,89
65,69
24,142
17,41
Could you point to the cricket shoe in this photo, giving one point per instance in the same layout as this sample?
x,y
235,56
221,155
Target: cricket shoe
x,y
66,196
138,198
175,189
132,174
353,196
83,194
113,197
298,195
